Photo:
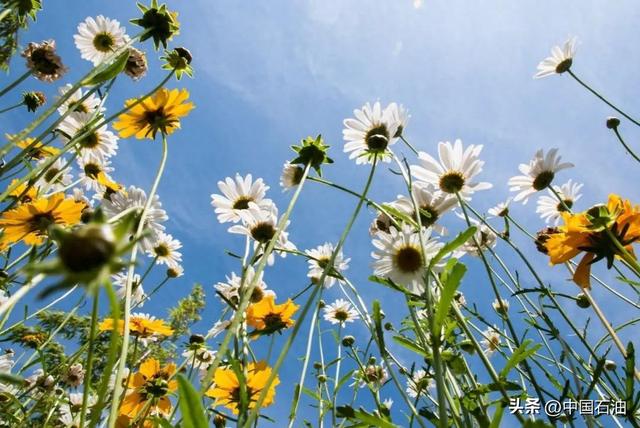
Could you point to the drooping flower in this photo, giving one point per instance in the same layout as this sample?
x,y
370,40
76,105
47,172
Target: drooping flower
x,y
165,250
370,133
430,201
267,317
291,175
590,232
136,66
74,376
319,258
43,61
150,388
560,60
483,239
237,194
419,383
500,306
56,178
100,142
455,170
226,390
491,340
229,290
30,222
538,174
501,209
550,209
76,103
160,112
99,38
340,312
399,257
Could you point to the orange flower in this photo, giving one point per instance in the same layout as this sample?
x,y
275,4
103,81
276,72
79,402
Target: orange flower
x,y
590,232
139,325
267,317
227,386
151,384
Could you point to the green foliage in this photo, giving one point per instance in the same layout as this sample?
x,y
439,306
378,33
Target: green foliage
x,y
193,414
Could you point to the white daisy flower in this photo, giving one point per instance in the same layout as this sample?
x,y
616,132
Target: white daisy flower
x,y
320,256
340,312
538,174
550,209
175,271
431,202
382,223
237,195
230,288
74,375
218,328
500,306
560,60
56,178
6,361
95,173
89,105
388,402
400,116
291,175
138,295
455,170
165,250
200,357
372,374
370,133
137,198
491,340
125,376
419,383
399,257
261,225
101,143
98,38
502,209
483,239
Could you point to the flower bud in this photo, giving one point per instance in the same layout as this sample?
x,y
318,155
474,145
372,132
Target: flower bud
x,y
613,122
348,341
388,326
196,339
582,301
467,346
610,365
33,100
317,365
322,378
87,248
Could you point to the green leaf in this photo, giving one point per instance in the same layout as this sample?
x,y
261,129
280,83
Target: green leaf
x,y
377,320
361,415
11,379
193,414
520,354
410,345
452,245
630,371
110,72
497,416
452,277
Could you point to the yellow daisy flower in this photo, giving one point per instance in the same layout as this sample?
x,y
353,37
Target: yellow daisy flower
x,y
151,386
38,151
30,221
140,325
160,112
227,387
267,317
24,192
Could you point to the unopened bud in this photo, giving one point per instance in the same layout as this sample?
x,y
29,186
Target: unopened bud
x,y
610,365
87,248
196,338
582,301
613,122
348,341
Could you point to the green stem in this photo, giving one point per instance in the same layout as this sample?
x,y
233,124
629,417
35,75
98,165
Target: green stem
x,y
127,301
89,361
624,144
15,82
6,109
603,99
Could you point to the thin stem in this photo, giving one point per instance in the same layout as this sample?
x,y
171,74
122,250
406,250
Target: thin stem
x,y
16,82
624,144
89,361
6,109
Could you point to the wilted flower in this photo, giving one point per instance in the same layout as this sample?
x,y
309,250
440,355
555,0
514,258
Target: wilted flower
x,y
43,61
136,66
33,100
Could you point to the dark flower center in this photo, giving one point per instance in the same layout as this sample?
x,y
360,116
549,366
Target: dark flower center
x,y
341,315
377,139
564,66
452,182
235,394
543,180
156,386
242,203
408,259
161,250
273,322
263,232
51,174
256,295
90,141
43,63
78,106
40,222
565,205
428,215
104,42
92,170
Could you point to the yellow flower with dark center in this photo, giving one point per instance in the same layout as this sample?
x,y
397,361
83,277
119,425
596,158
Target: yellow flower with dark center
x,y
24,193
30,222
227,391
151,386
587,232
140,326
160,112
267,317
36,151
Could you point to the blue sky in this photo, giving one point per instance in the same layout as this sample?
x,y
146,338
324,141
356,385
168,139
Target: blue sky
x,y
271,73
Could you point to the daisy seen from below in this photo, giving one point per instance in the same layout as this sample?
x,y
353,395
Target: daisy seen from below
x,y
398,256
482,239
419,383
30,222
75,103
237,194
165,250
560,60
319,258
501,209
138,295
199,357
56,178
550,209
373,375
94,174
99,38
400,116
150,388
431,202
160,112
267,317
455,170
43,61
36,150
291,175
134,197
99,142
491,340
370,133
229,290
226,391
340,312
591,233
537,175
